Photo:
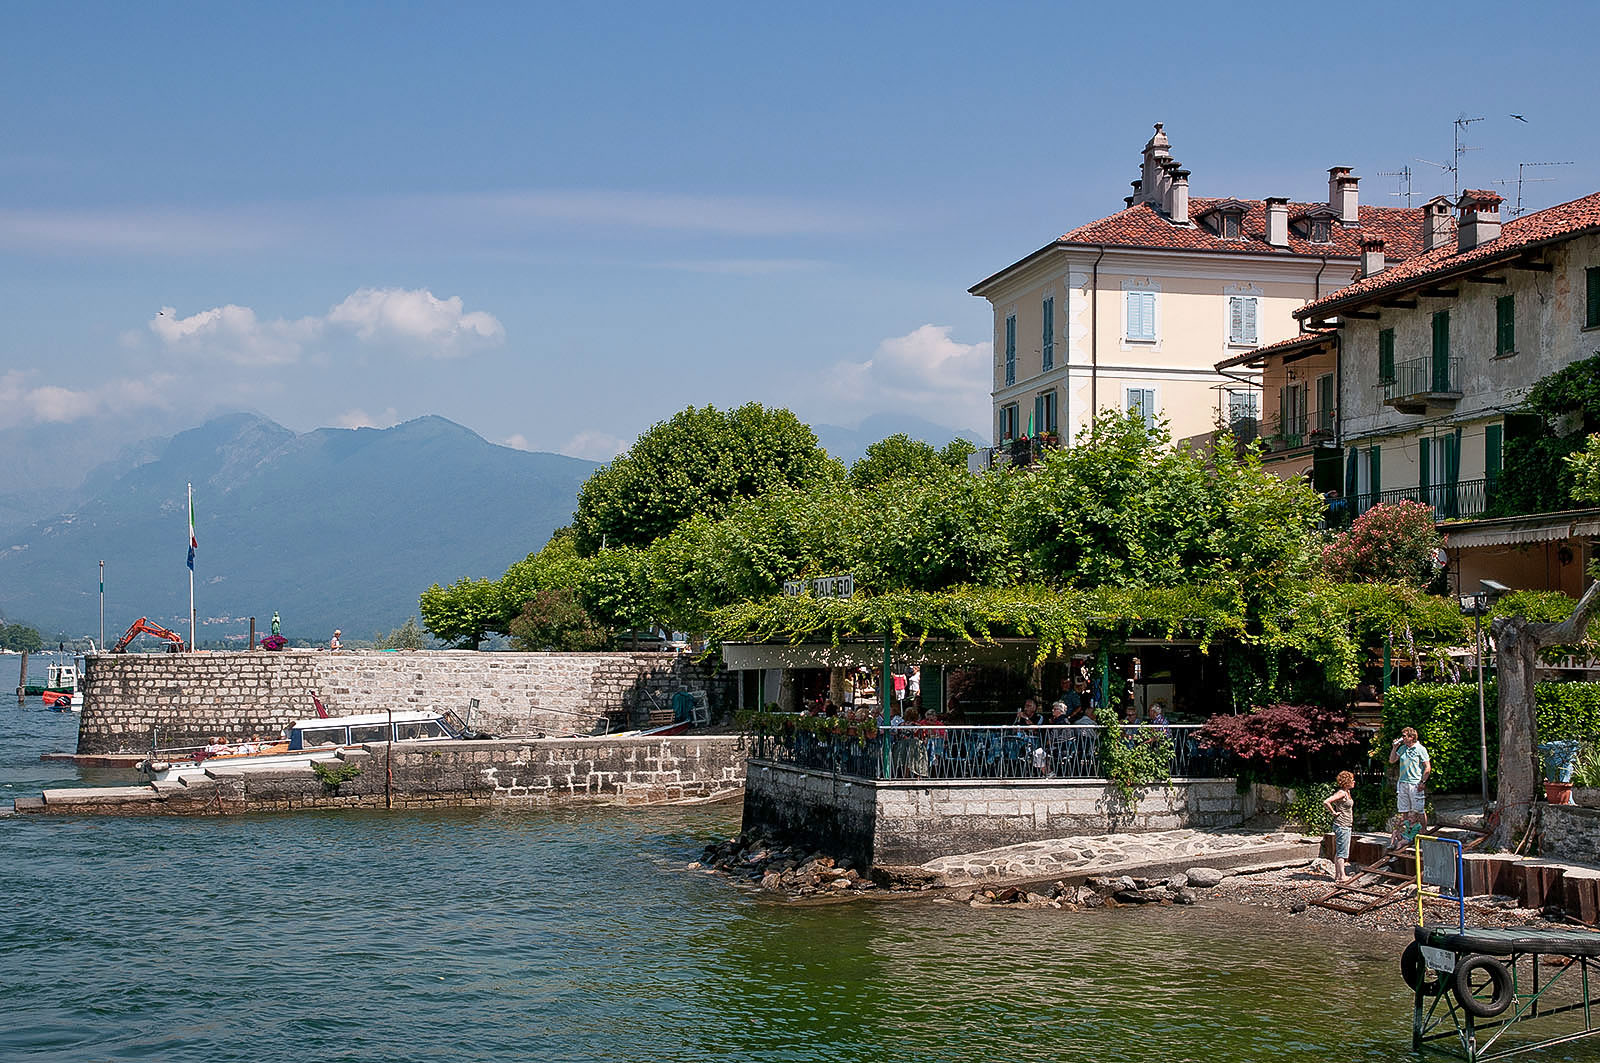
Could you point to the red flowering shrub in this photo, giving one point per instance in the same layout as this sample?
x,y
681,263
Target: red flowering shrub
x,y
1389,543
1288,744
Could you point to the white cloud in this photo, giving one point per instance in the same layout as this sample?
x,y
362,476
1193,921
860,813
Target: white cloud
x,y
516,441
359,418
415,316
22,403
924,372
414,319
234,333
593,446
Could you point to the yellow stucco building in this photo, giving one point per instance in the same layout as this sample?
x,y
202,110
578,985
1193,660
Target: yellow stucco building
x,y
1135,310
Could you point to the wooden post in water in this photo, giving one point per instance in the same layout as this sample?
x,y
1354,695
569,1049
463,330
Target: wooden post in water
x,y
252,643
22,679
388,763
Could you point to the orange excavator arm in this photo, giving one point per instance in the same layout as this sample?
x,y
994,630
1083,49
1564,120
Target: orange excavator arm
x,y
144,626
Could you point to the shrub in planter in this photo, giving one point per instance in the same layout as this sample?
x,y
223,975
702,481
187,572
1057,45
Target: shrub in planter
x,y
274,642
1287,744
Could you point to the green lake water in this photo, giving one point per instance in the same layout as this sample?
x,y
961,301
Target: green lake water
x,y
539,935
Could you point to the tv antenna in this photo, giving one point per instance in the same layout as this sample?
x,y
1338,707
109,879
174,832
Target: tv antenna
x,y
1453,167
1516,212
1403,182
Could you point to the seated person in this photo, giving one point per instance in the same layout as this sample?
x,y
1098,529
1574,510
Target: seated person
x,y
1156,715
218,745
1028,715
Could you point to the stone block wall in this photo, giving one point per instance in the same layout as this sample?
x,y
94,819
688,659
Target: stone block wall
x,y
1569,832
554,772
189,697
912,822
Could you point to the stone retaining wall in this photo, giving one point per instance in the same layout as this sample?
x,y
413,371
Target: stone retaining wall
x,y
533,774
191,696
914,821
1568,832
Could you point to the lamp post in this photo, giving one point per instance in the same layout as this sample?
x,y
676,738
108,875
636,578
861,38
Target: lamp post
x,y
1476,604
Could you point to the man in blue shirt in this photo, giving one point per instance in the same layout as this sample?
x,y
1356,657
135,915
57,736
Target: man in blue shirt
x,y
1415,767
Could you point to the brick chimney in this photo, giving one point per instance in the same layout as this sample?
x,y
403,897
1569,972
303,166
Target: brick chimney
x,y
1371,256
1178,210
1436,223
1480,218
1278,221
1334,174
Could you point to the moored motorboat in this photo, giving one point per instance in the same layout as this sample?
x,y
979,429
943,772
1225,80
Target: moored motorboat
x,y
306,742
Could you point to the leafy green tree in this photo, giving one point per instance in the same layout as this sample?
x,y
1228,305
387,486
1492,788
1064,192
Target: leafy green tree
x,y
615,590
19,638
463,613
898,457
956,452
1585,466
1536,476
556,567
699,461
555,620
407,636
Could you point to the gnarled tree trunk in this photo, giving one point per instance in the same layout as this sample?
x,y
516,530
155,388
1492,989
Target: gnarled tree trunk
x,y
1517,644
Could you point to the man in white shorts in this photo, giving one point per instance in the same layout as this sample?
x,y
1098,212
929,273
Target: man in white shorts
x,y
1411,791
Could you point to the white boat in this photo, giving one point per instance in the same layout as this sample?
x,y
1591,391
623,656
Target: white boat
x,y
306,742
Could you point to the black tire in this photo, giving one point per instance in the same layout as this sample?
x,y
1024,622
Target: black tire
x,y
1483,986
1418,976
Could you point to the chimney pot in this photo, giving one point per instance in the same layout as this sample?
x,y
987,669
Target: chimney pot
x,y
1371,256
1436,219
1278,221
1178,210
1480,218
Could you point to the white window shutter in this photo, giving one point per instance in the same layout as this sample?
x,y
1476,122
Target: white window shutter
x,y
1134,331
1235,318
1249,316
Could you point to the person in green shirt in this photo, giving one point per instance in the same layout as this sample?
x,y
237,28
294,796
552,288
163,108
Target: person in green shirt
x,y
1415,767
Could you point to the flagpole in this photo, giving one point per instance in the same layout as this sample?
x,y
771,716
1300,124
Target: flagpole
x,y
102,646
191,569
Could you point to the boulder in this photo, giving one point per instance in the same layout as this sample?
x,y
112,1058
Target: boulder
x,y
771,881
1093,900
1177,882
1184,895
1204,877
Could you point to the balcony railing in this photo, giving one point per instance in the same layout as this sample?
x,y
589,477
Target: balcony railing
x,y
1018,452
1463,500
1420,381
943,752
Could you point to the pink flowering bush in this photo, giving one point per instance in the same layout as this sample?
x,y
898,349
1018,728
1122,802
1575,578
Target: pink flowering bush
x,y
1389,543
1287,744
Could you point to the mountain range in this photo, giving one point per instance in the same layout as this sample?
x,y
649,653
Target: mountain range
x,y
330,528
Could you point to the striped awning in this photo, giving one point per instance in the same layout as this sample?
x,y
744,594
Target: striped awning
x,y
1511,531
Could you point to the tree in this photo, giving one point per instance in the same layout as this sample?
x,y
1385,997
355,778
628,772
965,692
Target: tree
x,y
1585,466
554,620
1389,543
699,461
956,452
19,638
898,457
462,613
407,636
1535,477
1517,643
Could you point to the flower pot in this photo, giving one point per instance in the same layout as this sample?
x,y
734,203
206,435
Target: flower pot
x,y
1558,793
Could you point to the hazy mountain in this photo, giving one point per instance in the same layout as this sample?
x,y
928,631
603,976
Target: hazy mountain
x,y
849,444
332,528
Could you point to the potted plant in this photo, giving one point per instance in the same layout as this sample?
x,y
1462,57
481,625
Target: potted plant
x,y
274,642
1559,758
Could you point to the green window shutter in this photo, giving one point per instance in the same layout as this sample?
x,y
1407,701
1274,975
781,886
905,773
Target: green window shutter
x,y
1493,435
1441,351
1375,471
1423,470
1351,480
1592,275
1505,321
1386,356
1049,314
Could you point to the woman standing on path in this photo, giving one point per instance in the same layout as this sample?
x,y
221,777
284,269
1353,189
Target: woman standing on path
x,y
1341,805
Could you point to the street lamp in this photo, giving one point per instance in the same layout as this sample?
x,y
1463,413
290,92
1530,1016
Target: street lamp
x,y
1475,605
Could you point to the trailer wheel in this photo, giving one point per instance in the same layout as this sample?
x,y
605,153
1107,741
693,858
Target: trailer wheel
x,y
1483,985
1417,974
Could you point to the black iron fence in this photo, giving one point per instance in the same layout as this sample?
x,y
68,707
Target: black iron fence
x,y
1462,500
944,752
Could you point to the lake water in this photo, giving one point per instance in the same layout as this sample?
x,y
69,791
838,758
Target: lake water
x,y
495,936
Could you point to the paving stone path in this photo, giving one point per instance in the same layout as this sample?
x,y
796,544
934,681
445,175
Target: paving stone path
x,y
1104,853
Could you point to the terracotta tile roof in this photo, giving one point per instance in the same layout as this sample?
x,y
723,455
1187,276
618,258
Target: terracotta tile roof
x,y
1141,225
1293,343
1516,237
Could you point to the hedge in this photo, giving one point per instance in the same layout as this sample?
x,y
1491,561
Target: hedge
x,y
1446,718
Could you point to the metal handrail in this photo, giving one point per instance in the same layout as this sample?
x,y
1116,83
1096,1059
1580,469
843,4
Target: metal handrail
x,y
1423,376
1462,500
940,751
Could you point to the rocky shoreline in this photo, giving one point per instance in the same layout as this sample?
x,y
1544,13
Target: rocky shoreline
x,y
1288,887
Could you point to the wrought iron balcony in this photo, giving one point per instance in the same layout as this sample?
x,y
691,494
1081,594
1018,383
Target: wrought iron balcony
x,y
1423,382
1463,500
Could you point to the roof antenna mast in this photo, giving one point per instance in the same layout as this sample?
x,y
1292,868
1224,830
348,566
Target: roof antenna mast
x,y
1517,211
1403,184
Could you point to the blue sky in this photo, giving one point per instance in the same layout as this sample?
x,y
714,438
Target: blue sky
x,y
558,226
